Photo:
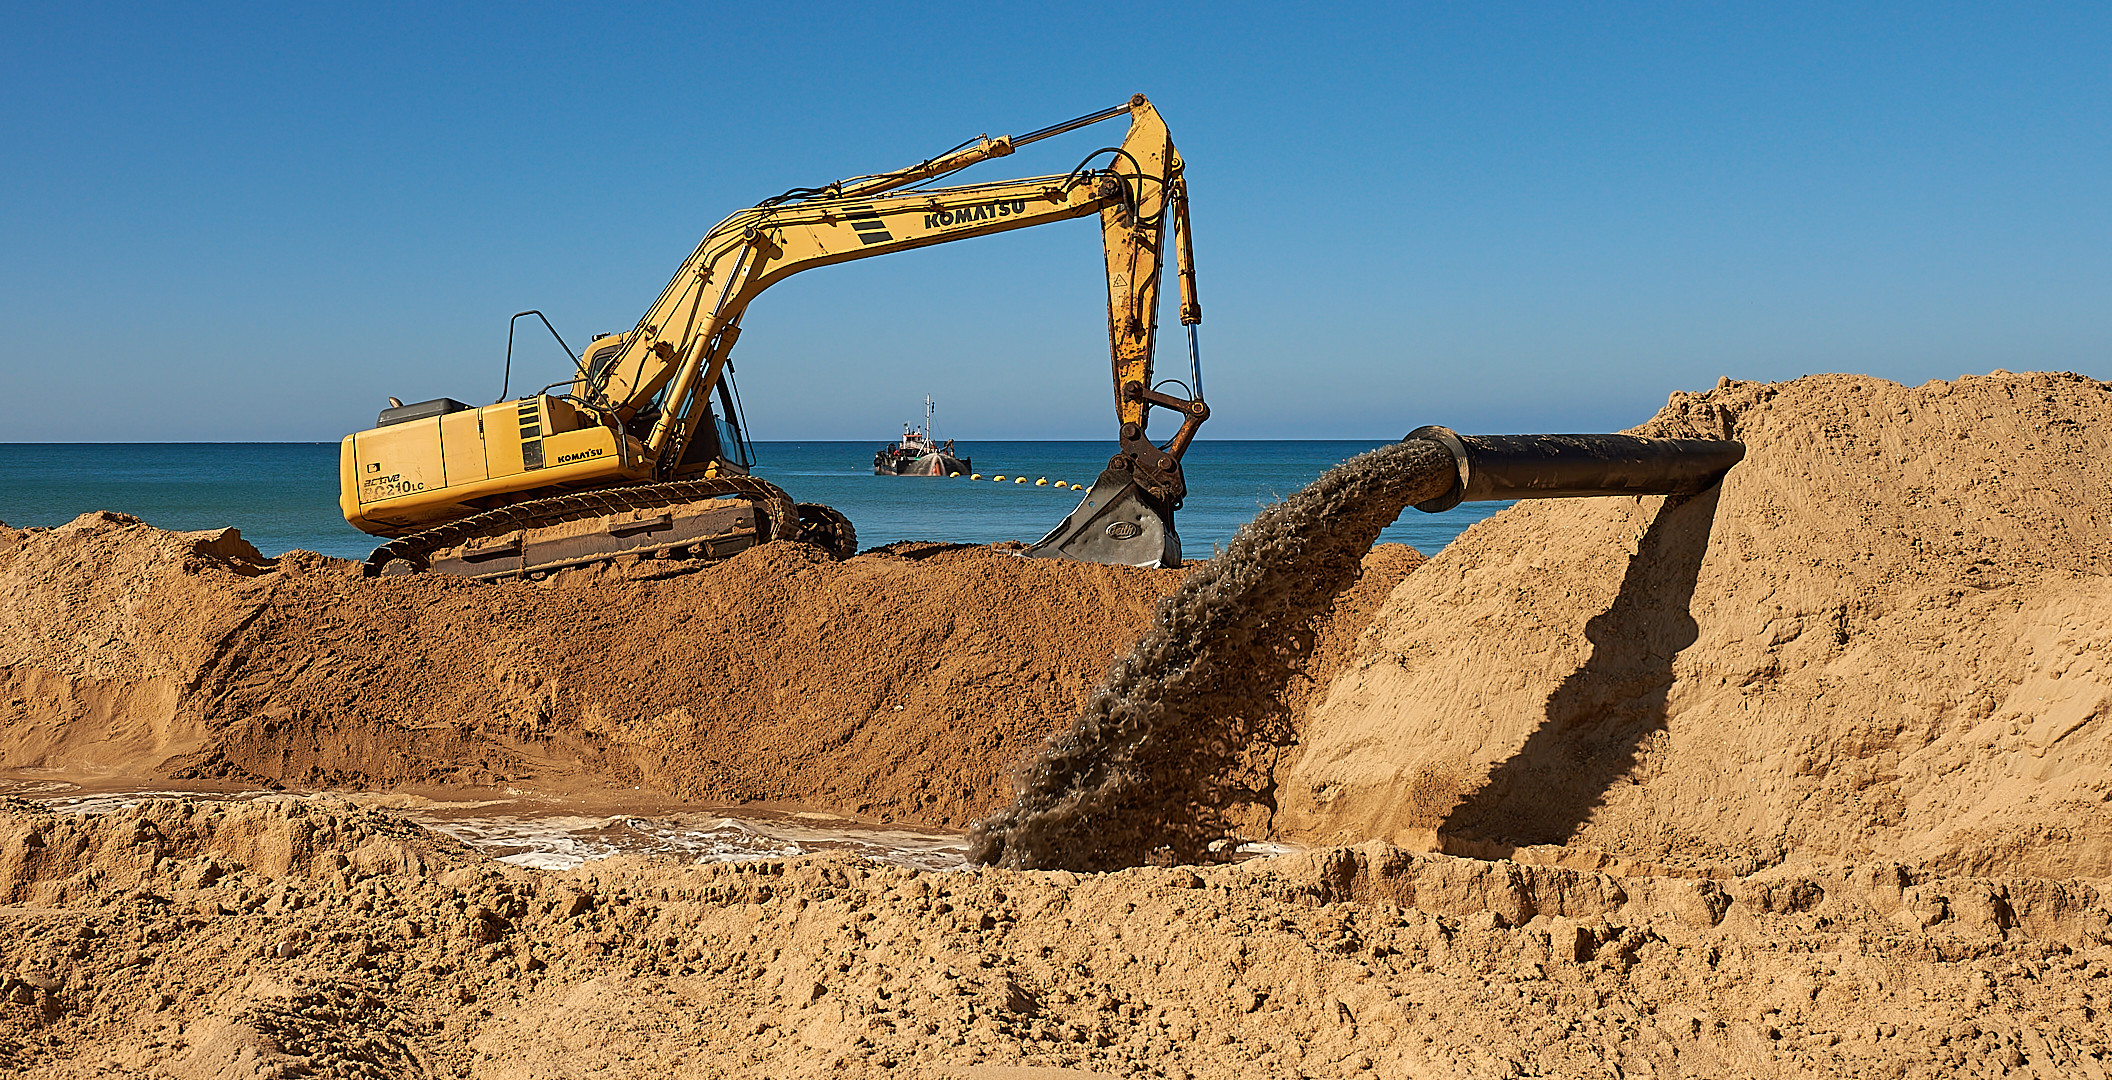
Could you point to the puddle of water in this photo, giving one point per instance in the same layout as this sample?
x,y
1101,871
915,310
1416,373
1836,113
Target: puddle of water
x,y
104,802
540,834
1262,849
562,842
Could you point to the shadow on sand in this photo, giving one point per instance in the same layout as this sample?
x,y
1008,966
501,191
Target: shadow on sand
x,y
1600,715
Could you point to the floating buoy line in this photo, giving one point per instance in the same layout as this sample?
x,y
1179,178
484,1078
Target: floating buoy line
x,y
1039,481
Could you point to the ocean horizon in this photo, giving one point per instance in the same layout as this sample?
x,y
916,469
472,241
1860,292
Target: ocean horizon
x,y
283,495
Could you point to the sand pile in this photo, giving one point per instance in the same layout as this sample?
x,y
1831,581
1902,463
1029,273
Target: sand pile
x,y
255,940
898,684
1884,637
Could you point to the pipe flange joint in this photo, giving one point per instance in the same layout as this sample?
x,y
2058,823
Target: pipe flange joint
x,y
1450,440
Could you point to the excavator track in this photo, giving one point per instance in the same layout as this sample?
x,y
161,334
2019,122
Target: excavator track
x,y
831,531
706,519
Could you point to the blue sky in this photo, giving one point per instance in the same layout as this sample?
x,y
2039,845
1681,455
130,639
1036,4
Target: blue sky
x,y
228,223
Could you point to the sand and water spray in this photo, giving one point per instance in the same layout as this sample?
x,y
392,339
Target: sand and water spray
x,y
1154,762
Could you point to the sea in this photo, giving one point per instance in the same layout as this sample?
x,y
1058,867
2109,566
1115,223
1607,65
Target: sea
x,y
283,496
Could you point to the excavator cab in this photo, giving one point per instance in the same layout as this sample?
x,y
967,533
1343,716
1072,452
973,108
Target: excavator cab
x,y
720,445
601,353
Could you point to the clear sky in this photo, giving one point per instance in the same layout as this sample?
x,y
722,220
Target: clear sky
x,y
230,223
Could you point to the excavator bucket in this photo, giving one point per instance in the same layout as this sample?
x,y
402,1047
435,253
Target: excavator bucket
x,y
1119,523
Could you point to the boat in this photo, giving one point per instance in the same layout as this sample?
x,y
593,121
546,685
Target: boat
x,y
919,454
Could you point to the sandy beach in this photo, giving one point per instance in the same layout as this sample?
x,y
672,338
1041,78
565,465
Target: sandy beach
x,y
1805,775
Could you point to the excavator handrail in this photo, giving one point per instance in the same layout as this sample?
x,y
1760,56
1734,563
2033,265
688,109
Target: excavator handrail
x,y
507,379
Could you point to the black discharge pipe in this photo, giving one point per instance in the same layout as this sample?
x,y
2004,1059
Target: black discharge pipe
x,y
1500,467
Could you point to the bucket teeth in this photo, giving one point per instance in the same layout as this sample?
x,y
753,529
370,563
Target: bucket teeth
x,y
1119,523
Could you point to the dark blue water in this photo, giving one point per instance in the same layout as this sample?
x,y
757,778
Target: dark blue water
x,y
284,495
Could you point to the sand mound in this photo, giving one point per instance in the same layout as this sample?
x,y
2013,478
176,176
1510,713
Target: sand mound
x,y
258,940
1883,637
899,684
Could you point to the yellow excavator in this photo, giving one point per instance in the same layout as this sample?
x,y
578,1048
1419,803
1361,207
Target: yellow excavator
x,y
640,451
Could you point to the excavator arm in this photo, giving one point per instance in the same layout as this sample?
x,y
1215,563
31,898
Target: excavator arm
x,y
667,367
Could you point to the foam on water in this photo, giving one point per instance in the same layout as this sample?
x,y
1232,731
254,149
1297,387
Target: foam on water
x,y
523,833
564,843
